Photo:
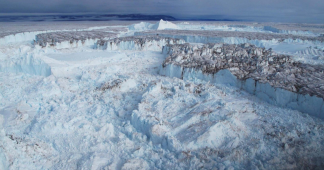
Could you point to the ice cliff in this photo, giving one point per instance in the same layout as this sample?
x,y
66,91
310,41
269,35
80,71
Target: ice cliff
x,y
274,78
71,39
150,43
26,64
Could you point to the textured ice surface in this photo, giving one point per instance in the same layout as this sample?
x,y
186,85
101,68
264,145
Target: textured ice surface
x,y
103,109
248,61
274,78
295,45
72,39
151,43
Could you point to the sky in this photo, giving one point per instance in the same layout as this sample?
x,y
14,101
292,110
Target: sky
x,y
251,10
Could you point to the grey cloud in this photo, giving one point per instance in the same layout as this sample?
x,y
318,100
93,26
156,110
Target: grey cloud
x,y
257,10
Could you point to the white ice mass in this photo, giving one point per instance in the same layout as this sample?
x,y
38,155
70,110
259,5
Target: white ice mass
x,y
182,95
161,25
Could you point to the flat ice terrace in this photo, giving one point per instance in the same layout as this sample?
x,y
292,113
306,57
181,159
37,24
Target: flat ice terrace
x,y
122,99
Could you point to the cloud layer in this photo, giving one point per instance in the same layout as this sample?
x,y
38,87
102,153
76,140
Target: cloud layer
x,y
254,10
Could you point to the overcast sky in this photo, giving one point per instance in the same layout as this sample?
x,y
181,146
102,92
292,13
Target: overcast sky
x,y
254,10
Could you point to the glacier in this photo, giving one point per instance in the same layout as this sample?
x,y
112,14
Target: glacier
x,y
161,95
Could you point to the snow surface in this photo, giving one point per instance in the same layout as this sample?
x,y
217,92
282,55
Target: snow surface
x,y
100,109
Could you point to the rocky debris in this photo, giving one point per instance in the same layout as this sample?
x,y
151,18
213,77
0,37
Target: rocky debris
x,y
139,40
248,61
72,36
239,34
110,85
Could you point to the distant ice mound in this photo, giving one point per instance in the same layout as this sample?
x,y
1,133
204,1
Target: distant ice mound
x,y
161,25
164,25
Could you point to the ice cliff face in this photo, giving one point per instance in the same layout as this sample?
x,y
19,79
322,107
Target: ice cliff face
x,y
151,43
275,78
71,39
26,64
20,37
